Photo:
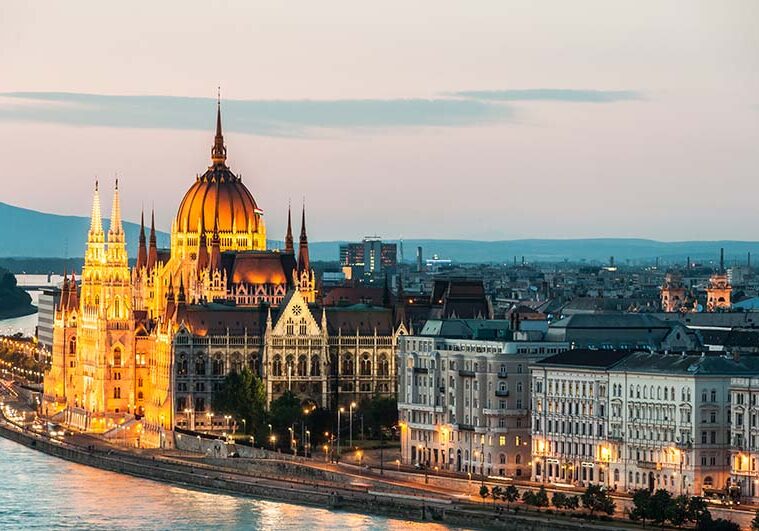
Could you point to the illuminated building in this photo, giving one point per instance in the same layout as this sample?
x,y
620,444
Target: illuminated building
x,y
137,349
464,396
674,295
719,291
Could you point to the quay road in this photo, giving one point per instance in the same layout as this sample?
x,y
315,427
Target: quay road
x,y
460,492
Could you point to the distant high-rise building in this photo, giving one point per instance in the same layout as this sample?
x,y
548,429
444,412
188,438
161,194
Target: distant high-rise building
x,y
371,256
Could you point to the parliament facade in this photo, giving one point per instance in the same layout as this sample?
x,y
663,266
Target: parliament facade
x,y
144,348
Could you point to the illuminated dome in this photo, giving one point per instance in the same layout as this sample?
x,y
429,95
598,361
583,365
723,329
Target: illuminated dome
x,y
219,201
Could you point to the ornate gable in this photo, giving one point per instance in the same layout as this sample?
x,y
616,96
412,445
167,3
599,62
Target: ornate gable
x,y
295,317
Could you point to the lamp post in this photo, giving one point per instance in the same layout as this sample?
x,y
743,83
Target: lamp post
x,y
273,440
209,416
244,425
339,412
292,439
326,449
350,432
307,449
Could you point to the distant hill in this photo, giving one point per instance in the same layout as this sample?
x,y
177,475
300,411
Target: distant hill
x,y
28,233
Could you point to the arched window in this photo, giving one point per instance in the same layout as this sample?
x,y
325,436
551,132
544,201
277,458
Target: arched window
x,y
315,366
117,357
518,459
182,365
253,363
502,459
347,364
289,327
218,366
302,327
200,366
383,366
302,366
237,362
366,365
713,395
276,366
116,307
72,345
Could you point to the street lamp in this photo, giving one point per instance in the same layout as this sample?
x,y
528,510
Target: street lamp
x,y
308,444
339,412
350,432
244,425
273,440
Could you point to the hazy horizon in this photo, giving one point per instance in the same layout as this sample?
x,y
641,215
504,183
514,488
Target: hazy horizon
x,y
486,121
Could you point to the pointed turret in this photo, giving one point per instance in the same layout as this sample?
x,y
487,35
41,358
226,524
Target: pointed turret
x,y
181,296
73,294
218,151
95,253
303,261
153,249
142,250
116,231
96,220
215,260
289,247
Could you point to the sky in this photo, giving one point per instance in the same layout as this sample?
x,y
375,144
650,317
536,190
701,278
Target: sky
x,y
428,119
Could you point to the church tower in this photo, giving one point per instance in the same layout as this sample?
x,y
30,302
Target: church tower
x,y
304,278
719,292
673,293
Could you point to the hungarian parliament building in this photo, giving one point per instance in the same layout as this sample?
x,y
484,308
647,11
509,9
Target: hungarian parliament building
x,y
146,347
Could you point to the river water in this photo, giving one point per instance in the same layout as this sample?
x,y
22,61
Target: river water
x,y
43,492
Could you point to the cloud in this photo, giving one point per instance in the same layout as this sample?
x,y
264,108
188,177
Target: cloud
x,y
266,117
568,95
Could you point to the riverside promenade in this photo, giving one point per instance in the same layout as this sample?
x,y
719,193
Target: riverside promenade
x,y
284,480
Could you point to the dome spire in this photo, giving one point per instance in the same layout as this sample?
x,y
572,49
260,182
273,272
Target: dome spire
x,y
218,151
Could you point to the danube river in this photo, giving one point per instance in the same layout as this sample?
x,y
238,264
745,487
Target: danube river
x,y
43,492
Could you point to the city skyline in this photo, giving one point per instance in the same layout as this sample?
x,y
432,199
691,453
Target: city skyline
x,y
523,127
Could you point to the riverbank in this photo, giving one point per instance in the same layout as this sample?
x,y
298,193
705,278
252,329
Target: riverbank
x,y
221,479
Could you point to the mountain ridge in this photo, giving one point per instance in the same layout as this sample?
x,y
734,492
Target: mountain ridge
x,y
27,233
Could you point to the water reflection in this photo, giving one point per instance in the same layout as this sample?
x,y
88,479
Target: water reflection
x,y
42,492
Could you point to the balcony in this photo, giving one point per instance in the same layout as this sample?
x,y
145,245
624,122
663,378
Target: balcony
x,y
421,370
615,438
651,465
466,427
466,374
502,374
501,392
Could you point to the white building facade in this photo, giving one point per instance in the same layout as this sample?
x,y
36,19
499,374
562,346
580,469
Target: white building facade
x,y
634,420
464,403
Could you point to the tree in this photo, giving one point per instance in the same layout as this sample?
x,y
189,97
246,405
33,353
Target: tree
x,y
511,494
573,502
484,492
596,498
679,514
641,505
285,410
559,500
755,522
541,497
496,492
698,510
243,396
528,497
720,524
660,506
380,414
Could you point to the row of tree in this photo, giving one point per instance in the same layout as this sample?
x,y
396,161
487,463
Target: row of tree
x,y
661,507
243,396
594,499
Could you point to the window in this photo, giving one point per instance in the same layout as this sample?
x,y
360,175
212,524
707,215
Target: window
x,y
117,357
713,395
366,365
117,392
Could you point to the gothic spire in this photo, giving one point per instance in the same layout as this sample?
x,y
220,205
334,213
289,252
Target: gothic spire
x,y
142,250
218,151
289,247
303,261
153,249
116,231
96,220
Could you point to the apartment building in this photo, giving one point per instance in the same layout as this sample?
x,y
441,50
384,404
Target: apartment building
x,y
464,396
